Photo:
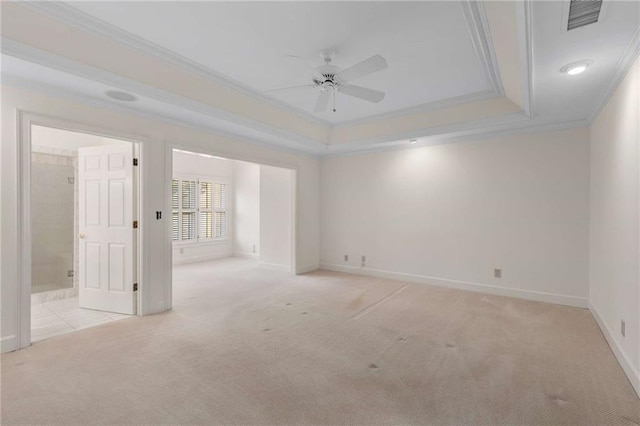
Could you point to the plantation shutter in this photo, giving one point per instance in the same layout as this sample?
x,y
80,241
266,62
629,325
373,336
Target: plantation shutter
x,y
188,210
220,205
198,210
206,202
175,210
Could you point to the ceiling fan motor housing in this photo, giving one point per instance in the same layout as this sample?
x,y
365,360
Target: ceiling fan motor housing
x,y
328,71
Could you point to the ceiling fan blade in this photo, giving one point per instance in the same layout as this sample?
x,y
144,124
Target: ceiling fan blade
x,y
286,89
368,66
322,102
363,93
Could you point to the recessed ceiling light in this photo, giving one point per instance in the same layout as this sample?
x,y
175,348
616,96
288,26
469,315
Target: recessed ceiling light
x,y
413,141
576,67
120,96
576,70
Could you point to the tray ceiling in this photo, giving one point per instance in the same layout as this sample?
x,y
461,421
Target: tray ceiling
x,y
428,46
209,68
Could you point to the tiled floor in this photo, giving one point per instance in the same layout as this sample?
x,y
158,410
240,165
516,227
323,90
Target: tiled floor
x,y
63,316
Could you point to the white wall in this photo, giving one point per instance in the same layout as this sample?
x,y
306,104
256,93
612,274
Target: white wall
x,y
155,135
246,184
276,215
192,165
450,214
63,139
615,217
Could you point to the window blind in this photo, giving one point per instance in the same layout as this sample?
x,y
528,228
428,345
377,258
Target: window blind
x,y
220,197
206,199
188,194
175,207
188,225
221,224
199,210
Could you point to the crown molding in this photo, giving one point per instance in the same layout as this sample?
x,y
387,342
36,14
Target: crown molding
x,y
510,127
628,58
525,41
28,53
477,25
431,106
470,127
475,20
306,145
101,103
498,131
71,15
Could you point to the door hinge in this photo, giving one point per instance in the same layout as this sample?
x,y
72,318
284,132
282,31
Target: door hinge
x,y
135,161
135,286
135,224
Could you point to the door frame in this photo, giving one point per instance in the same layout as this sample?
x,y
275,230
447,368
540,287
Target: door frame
x,y
25,120
211,150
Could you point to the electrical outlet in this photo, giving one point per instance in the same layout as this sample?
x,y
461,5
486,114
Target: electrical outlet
x,y
622,327
70,273
364,261
346,257
181,251
497,273
254,248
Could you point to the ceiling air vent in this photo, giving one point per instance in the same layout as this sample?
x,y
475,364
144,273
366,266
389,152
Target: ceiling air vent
x,y
583,12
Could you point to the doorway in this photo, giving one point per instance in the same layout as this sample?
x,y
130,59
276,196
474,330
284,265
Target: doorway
x,y
83,205
229,217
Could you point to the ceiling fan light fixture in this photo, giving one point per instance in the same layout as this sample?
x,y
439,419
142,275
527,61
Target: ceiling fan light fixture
x,y
576,68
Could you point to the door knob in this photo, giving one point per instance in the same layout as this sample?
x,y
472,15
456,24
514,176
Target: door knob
x,y
81,235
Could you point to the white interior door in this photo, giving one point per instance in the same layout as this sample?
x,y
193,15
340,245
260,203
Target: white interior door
x,y
106,232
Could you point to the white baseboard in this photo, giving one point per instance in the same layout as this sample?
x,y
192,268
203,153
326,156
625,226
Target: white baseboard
x,y
202,258
285,268
631,372
9,343
537,296
307,268
254,256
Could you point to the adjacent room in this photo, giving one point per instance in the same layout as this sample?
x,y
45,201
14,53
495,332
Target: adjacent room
x,y
320,213
228,215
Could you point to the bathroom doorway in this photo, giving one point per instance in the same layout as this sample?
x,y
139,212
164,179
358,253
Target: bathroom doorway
x,y
83,206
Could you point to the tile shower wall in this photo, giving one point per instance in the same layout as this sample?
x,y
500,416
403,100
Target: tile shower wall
x,y
52,209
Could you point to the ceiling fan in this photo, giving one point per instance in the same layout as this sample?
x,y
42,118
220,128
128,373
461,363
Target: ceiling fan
x,y
330,80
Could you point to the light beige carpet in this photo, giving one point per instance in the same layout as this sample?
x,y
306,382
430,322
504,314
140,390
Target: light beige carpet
x,y
246,345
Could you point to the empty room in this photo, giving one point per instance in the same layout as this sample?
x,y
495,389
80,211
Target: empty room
x,y
320,213
228,217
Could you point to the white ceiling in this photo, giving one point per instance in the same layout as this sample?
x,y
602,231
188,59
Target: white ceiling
x,y
562,97
427,45
559,100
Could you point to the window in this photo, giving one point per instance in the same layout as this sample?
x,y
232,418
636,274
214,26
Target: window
x,y
199,210
220,205
205,210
